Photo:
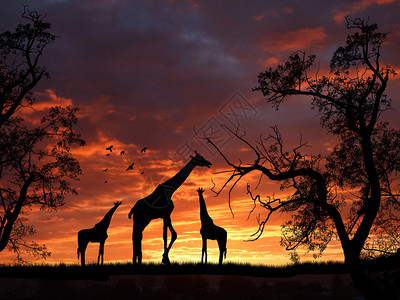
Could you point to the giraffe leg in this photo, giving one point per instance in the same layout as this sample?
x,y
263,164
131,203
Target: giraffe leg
x,y
82,244
101,253
168,225
222,246
83,258
137,236
82,250
204,250
222,250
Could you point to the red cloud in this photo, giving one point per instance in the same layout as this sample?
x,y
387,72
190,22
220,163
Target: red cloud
x,y
301,38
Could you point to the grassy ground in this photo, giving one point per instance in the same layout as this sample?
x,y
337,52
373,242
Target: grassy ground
x,y
95,272
182,281
195,281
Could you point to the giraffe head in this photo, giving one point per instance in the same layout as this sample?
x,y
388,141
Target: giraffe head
x,y
200,191
118,203
200,160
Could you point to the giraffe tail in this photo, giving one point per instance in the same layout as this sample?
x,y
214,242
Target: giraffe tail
x,y
78,251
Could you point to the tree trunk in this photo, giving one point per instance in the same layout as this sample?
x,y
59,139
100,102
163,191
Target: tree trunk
x,y
14,214
362,282
367,280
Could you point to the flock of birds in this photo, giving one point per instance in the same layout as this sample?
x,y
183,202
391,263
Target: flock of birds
x,y
130,167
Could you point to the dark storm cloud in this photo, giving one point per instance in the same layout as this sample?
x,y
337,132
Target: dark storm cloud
x,y
172,62
151,70
153,62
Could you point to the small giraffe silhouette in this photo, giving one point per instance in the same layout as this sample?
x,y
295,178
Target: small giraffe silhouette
x,y
159,205
210,231
97,234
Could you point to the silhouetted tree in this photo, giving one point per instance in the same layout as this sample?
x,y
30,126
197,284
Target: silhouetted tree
x,y
20,68
366,159
35,160
35,167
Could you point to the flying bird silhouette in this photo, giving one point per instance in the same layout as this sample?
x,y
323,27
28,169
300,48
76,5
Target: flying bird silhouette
x,y
143,150
141,173
108,154
105,181
110,148
122,152
105,170
130,167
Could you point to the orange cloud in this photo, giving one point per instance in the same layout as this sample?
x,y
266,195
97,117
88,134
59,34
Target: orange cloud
x,y
338,15
294,40
269,62
44,101
361,5
51,99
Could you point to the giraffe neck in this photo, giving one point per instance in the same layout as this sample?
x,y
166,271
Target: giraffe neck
x,y
204,216
105,222
176,181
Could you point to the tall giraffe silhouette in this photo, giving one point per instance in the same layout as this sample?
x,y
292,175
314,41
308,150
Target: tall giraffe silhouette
x,y
97,234
159,205
210,231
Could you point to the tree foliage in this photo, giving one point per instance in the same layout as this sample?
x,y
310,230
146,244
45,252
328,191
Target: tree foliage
x,y
20,68
35,166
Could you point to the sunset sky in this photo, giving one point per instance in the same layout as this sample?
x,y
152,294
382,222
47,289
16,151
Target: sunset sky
x,y
150,73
